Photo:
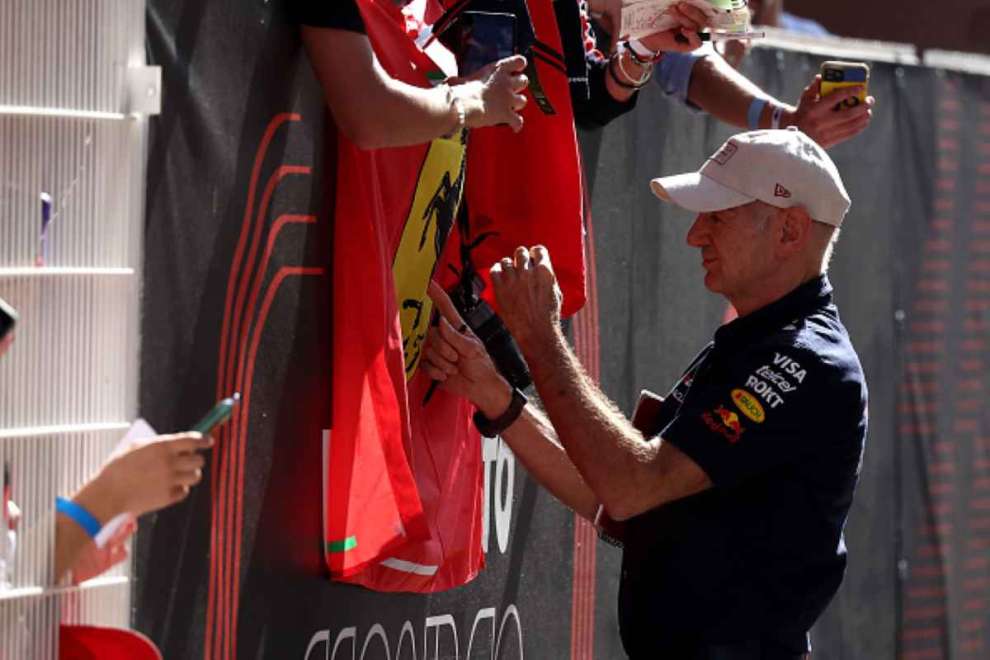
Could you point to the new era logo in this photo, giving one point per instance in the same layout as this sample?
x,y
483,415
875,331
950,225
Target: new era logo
x,y
781,191
727,152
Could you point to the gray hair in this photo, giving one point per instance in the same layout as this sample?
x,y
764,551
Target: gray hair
x,y
825,237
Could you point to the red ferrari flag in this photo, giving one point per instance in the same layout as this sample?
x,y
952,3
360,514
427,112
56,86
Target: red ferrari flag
x,y
404,483
526,188
402,494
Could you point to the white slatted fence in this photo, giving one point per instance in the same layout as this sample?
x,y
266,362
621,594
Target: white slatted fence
x,y
72,85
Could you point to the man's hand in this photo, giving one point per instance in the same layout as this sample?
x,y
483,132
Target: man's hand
x,y
493,95
683,37
817,117
736,50
458,359
147,478
528,296
608,13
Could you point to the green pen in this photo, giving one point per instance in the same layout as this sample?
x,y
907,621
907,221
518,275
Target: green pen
x,y
219,414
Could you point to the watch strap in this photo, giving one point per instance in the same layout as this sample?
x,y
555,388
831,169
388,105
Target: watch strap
x,y
492,427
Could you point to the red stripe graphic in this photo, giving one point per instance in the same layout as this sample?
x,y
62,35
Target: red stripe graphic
x,y
221,435
586,345
240,421
239,341
245,408
228,576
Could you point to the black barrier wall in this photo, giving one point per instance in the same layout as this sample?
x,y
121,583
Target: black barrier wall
x,y
242,142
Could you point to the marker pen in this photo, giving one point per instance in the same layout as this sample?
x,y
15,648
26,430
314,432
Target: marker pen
x,y
218,414
46,218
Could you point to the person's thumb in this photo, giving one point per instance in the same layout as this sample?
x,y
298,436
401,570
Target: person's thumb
x,y
514,64
813,90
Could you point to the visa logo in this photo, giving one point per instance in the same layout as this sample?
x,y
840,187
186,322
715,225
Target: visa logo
x,y
789,366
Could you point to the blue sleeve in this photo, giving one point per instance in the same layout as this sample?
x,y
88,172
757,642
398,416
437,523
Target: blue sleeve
x,y
674,72
803,25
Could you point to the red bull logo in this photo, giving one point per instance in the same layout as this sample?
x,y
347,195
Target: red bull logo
x,y
730,419
724,422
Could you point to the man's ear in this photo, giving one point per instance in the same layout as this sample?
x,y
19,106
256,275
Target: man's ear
x,y
796,230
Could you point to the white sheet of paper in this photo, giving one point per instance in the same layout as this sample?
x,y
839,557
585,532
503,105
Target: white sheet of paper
x,y
107,531
139,432
641,18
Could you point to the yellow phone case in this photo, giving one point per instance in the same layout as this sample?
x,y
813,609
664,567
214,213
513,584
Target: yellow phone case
x,y
838,75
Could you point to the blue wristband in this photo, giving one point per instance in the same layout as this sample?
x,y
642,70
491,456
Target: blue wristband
x,y
79,515
755,111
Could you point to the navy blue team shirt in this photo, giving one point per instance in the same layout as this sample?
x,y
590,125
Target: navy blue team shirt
x,y
774,410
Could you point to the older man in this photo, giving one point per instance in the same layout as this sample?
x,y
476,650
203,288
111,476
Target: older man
x,y
735,492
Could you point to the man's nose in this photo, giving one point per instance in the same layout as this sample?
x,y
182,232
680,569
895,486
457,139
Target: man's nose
x,y
696,236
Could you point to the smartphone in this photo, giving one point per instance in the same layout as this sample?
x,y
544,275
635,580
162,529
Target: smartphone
x,y
8,318
218,414
838,75
483,37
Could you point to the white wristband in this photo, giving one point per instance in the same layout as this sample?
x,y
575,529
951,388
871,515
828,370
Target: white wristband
x,y
643,79
644,53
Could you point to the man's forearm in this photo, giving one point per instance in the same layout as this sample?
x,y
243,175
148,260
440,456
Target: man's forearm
x,y
611,456
370,107
726,94
70,539
617,68
534,442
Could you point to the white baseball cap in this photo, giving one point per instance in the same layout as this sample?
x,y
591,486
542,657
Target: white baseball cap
x,y
784,168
